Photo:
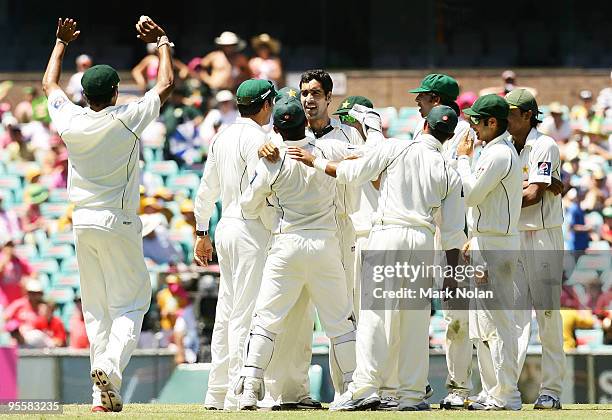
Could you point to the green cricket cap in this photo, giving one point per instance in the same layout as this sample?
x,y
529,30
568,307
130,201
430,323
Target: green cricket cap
x,y
523,99
489,106
440,84
99,80
254,90
288,113
348,103
442,118
288,91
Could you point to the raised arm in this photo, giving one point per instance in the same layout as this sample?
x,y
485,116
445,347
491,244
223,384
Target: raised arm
x,y
66,32
149,31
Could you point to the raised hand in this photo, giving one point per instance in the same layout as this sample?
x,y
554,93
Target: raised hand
x,y
299,154
148,31
67,30
466,145
269,152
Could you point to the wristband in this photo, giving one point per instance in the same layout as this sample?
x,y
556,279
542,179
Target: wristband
x,y
61,41
163,40
201,233
320,164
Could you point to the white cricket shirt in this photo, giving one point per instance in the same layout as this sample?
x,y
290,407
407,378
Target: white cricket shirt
x,y
103,153
540,162
302,197
415,181
230,165
494,192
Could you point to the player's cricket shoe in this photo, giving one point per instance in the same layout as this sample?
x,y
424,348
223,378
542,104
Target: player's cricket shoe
x,y
100,379
453,401
250,390
109,396
345,402
489,404
428,391
481,397
111,400
422,406
99,409
388,403
306,403
546,402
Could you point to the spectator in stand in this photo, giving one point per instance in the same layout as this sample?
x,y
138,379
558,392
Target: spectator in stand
x,y
50,325
224,114
573,319
606,228
19,147
604,100
186,337
508,84
226,67
145,72
74,90
266,64
555,125
23,110
14,272
596,195
156,243
181,121
170,300
58,177
9,222
24,310
577,230
188,220
78,335
32,219
581,111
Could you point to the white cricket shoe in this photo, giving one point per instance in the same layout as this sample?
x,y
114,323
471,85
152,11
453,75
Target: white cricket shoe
x,y
109,399
453,401
252,391
547,402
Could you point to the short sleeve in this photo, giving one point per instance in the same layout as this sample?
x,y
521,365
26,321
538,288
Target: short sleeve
x,y
139,114
543,160
61,110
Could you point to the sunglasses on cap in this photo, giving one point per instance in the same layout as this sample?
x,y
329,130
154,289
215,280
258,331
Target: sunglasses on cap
x,y
476,120
347,119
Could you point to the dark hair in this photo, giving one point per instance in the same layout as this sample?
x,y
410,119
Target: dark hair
x,y
533,121
451,104
100,100
295,133
320,76
254,108
441,136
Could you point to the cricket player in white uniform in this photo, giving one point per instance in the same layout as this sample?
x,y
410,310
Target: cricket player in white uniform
x,y
102,142
541,256
493,195
414,182
242,241
304,255
441,89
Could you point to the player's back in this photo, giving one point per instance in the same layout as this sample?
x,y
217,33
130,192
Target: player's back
x,y
234,151
303,197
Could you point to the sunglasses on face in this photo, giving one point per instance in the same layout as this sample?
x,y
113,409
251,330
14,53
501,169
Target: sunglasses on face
x,y
347,119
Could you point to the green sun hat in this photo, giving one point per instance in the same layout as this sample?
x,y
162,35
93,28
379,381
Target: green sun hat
x,y
289,92
254,90
489,106
99,80
442,118
348,103
440,84
288,113
523,99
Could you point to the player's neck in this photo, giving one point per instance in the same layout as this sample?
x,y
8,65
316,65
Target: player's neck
x,y
319,124
519,140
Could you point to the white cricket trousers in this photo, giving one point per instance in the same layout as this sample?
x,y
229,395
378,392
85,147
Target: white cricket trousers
x,y
115,291
539,283
492,323
241,248
308,261
389,375
379,328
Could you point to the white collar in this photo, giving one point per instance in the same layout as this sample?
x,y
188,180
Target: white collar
x,y
430,140
297,143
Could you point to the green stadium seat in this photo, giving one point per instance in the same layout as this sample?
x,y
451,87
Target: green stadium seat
x,y
61,295
71,280
61,238
58,195
26,251
53,210
164,168
47,266
69,265
185,181
58,252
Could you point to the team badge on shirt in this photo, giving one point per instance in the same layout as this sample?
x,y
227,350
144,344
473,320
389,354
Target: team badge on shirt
x,y
58,102
544,168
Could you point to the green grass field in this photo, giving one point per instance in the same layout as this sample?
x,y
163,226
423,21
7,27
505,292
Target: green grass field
x,y
180,411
